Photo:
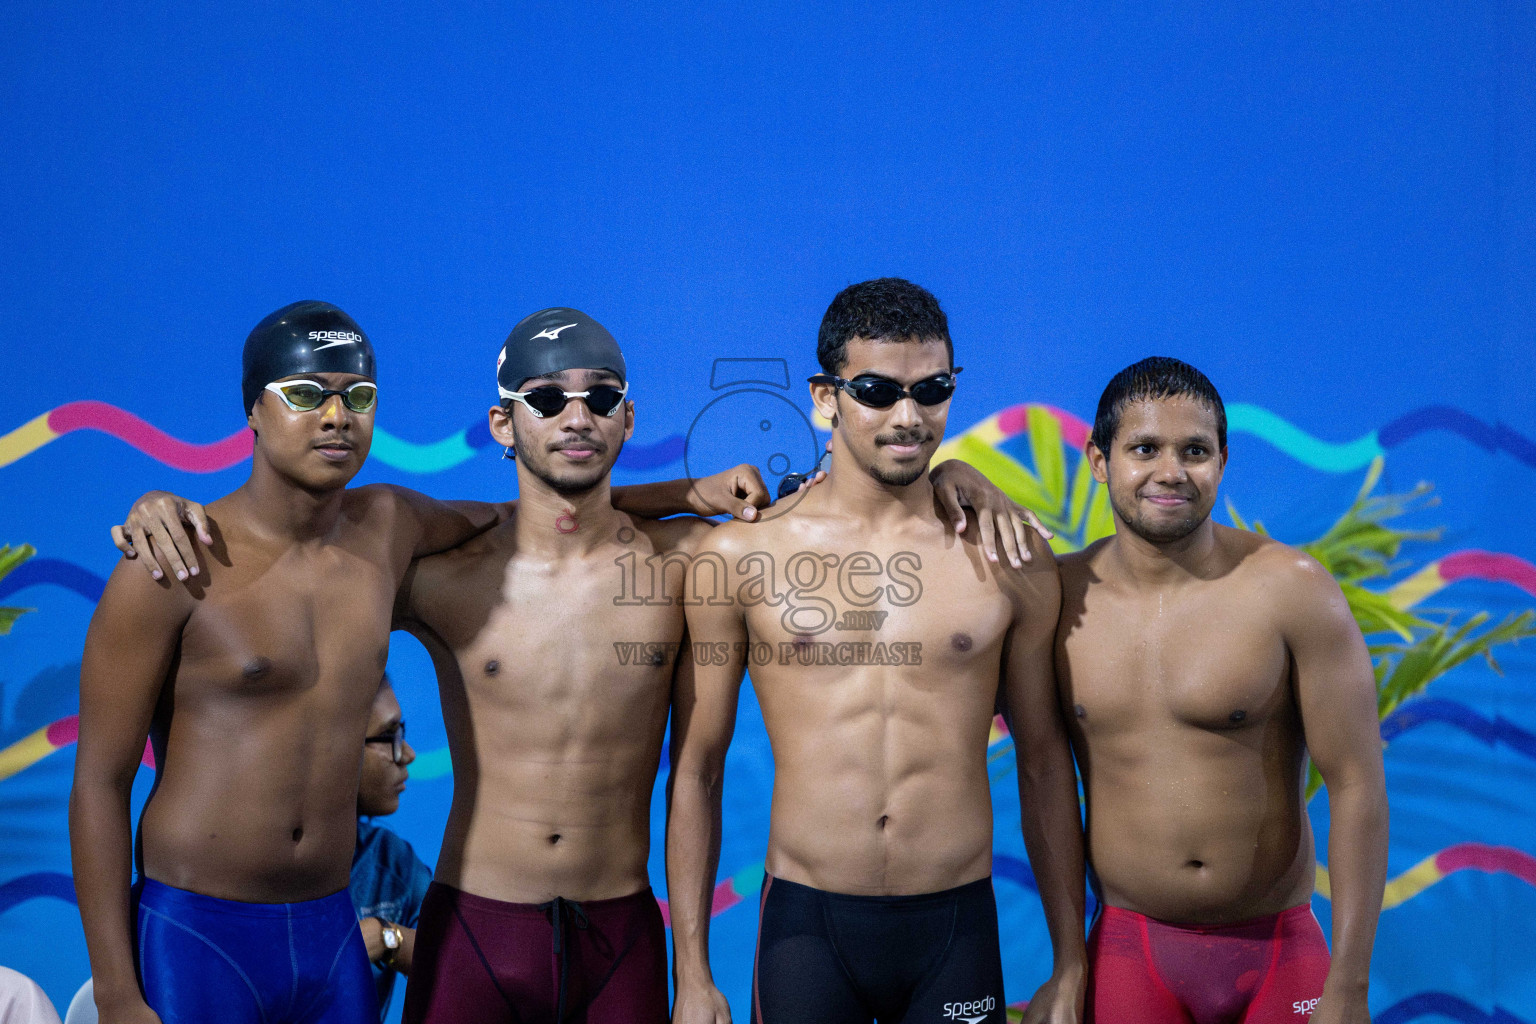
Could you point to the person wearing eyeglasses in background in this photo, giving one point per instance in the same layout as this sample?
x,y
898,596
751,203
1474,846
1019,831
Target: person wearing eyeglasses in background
x,y
388,879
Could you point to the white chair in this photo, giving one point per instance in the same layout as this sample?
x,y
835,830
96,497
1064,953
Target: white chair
x,y
82,1008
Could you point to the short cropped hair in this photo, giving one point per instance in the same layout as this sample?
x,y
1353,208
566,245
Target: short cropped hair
x,y
1154,378
885,309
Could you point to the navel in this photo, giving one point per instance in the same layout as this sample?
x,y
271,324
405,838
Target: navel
x,y
298,833
554,838
960,641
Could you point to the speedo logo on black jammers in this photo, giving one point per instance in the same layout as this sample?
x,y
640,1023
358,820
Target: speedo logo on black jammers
x,y
971,1013
333,338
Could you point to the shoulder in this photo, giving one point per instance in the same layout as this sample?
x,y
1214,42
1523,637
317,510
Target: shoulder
x,y
1301,594
132,591
378,504
1036,584
1279,566
1079,568
734,538
678,533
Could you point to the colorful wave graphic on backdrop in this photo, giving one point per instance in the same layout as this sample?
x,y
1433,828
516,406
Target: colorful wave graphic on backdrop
x,y
219,455
1327,456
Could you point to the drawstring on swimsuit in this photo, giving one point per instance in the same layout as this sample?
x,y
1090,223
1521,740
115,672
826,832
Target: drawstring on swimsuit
x,y
556,909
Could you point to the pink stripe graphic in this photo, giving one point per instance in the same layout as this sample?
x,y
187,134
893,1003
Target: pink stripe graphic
x,y
1493,859
152,441
67,730
1489,565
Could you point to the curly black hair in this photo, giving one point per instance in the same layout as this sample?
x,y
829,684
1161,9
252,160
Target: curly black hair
x,y
1155,377
885,309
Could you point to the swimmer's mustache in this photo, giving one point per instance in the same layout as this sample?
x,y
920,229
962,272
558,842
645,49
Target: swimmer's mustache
x,y
579,446
904,437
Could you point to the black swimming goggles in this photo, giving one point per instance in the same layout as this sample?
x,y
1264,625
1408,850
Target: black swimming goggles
x,y
882,392
309,395
548,400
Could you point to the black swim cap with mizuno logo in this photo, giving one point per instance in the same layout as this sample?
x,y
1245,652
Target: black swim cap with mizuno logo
x,y
304,337
552,340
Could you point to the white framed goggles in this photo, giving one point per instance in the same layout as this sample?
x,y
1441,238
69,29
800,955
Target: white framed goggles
x,y
309,395
548,400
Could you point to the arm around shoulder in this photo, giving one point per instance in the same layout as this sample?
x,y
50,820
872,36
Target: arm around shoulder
x,y
429,526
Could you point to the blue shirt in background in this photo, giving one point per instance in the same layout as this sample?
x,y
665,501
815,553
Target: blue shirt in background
x,y
388,882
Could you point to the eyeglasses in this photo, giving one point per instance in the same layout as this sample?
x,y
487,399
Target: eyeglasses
x,y
882,392
308,395
396,740
603,400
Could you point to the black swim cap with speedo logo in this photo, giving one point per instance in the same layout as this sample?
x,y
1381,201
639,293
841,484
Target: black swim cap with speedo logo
x,y
303,337
552,340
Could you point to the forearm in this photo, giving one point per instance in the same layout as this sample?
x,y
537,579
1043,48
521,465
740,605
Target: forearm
x,y
655,501
101,845
407,951
1053,837
693,857
1357,875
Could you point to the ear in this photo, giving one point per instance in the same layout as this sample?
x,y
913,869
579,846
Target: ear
x,y
824,397
629,419
501,426
1097,462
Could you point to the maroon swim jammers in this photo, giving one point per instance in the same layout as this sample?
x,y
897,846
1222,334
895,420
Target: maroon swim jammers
x,y
1266,971
482,961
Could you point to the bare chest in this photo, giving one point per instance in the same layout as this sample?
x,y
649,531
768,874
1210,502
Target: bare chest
x,y
533,638
1207,659
933,612
306,620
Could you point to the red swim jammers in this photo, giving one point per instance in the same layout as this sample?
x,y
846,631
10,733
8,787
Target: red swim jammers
x,y
1269,970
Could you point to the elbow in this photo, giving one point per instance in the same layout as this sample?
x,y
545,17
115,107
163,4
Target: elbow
x,y
704,774
95,783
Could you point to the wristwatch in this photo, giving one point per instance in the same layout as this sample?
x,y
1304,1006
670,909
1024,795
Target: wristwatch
x,y
392,936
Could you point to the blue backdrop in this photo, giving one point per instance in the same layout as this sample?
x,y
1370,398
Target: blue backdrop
x,y
1331,209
